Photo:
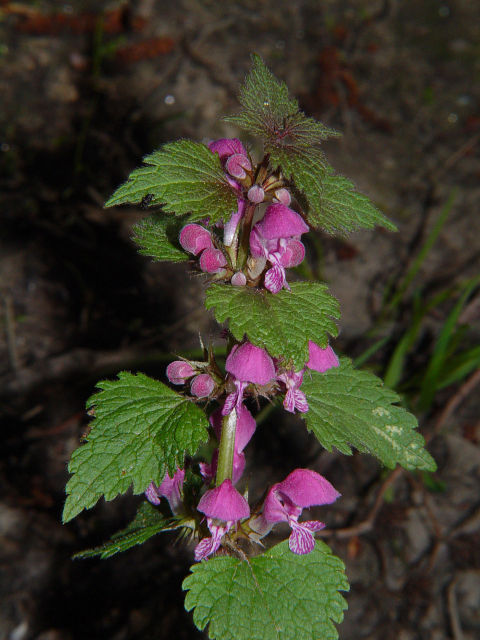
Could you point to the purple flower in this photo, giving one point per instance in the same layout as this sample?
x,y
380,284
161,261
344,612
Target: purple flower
x,y
212,260
256,194
170,488
202,385
233,156
285,502
294,398
283,196
178,371
195,239
239,279
276,238
321,359
223,503
226,147
231,226
247,364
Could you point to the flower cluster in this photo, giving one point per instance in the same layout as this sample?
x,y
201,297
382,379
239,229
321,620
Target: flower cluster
x,y
274,241
258,245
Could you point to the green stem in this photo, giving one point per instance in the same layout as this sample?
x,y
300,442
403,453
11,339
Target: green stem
x,y
226,448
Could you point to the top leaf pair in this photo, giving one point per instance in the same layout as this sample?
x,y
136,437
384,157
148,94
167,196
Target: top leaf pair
x,y
186,178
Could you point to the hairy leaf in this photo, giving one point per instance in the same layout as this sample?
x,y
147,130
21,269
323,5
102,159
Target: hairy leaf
x,y
271,113
348,407
157,237
332,203
141,430
275,596
146,524
184,177
281,323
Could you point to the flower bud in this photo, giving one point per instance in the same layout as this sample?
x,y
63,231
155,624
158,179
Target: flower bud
x,y
237,165
256,194
179,370
212,260
202,385
239,279
283,196
195,239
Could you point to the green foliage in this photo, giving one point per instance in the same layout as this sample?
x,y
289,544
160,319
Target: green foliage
x,y
293,142
275,596
281,323
348,408
157,237
184,177
141,429
333,204
146,524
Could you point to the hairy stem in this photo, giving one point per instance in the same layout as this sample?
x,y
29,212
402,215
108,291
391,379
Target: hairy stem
x,y
226,448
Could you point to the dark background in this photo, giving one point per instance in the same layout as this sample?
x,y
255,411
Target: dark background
x,y
88,88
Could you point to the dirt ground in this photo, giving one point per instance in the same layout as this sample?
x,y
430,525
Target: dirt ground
x,y
87,89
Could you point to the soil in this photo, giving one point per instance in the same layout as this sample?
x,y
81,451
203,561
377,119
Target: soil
x,y
87,89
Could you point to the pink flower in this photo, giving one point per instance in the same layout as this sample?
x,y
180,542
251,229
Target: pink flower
x,y
285,502
170,488
212,260
247,364
256,194
202,385
222,503
231,226
294,398
283,196
233,156
178,371
209,470
321,359
239,279
195,239
276,238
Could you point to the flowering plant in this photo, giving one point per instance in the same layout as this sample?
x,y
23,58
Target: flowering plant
x,y
241,223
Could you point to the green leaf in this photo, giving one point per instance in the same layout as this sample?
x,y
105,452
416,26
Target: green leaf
x,y
281,323
141,430
157,237
146,524
348,408
184,177
272,114
332,203
276,596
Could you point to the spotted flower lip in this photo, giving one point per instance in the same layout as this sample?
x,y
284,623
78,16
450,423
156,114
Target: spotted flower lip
x,y
285,502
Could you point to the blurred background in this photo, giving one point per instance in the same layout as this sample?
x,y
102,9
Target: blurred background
x,y
89,87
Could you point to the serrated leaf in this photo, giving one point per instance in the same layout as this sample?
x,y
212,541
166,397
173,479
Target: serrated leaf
x,y
147,523
348,407
271,113
184,177
333,204
275,596
281,323
141,430
157,237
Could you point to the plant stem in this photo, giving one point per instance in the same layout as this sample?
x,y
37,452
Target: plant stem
x,y
226,448
245,237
